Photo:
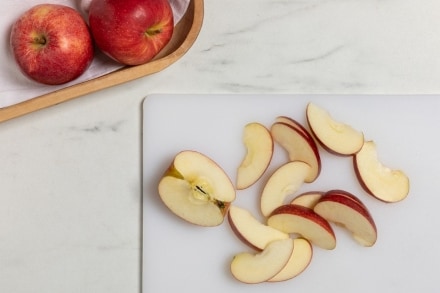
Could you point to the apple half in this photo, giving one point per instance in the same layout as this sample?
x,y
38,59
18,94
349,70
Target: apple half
x,y
298,146
384,183
196,189
345,209
334,136
250,230
256,268
299,260
286,180
296,219
259,150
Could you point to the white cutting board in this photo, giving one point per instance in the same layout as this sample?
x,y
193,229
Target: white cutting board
x,y
180,257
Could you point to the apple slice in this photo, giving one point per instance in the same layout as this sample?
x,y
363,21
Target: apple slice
x,y
308,199
196,189
251,231
296,219
259,150
286,180
298,262
348,195
295,124
334,136
256,268
298,146
386,184
345,209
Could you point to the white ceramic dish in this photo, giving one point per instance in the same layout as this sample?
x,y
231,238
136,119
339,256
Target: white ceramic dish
x,y
180,257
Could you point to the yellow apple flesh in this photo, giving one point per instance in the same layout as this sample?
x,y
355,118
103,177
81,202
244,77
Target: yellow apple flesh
x,y
335,136
259,149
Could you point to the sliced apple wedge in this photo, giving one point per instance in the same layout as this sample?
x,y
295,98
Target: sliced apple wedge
x,y
345,209
298,146
388,185
348,195
308,199
196,189
296,219
257,268
295,124
298,262
250,230
336,137
259,150
286,180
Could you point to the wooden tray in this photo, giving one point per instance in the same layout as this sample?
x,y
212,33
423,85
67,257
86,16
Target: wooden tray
x,y
185,34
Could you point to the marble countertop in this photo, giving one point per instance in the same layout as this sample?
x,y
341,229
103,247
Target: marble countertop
x,y
70,175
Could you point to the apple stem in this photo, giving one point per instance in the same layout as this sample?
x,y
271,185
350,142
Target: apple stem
x,y
40,40
154,30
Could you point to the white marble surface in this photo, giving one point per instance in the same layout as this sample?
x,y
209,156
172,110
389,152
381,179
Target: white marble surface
x,y
70,175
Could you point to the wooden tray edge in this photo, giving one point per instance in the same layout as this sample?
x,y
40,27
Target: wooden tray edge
x,y
195,12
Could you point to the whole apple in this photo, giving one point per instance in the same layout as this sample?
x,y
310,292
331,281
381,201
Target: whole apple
x,y
131,32
52,44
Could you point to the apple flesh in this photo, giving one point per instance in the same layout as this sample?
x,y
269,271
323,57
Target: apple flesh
x,y
250,230
299,147
131,32
345,209
296,219
286,180
384,183
333,135
196,189
299,260
308,199
259,149
51,44
260,267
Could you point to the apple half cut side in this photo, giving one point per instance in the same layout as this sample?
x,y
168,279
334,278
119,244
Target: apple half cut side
x,y
259,150
298,262
334,136
298,147
296,219
386,184
344,209
286,180
251,231
256,268
308,199
196,189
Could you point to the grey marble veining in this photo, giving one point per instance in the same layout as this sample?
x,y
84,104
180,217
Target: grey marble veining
x,y
70,187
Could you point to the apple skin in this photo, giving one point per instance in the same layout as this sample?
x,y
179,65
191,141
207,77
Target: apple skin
x,y
131,32
51,44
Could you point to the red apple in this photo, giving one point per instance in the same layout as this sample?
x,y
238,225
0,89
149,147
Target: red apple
x,y
51,44
131,31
